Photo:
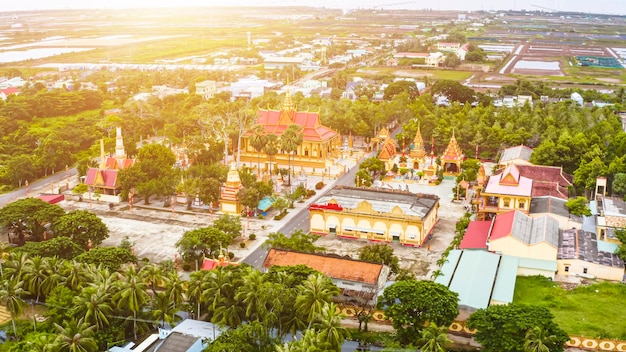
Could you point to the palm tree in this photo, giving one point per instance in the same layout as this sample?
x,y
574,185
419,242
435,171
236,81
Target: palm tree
x,y
195,289
271,148
434,338
290,140
537,340
163,309
75,336
35,276
257,141
152,275
11,294
15,265
315,292
95,306
132,294
251,294
328,326
75,275
175,289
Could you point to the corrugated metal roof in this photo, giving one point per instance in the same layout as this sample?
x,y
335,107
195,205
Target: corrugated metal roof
x,y
474,278
504,285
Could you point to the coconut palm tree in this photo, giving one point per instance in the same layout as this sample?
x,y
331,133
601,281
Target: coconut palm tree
x,y
132,294
15,265
537,340
251,294
175,289
289,141
271,148
315,292
434,338
257,141
163,309
152,275
75,336
75,275
195,288
11,295
95,306
35,276
328,326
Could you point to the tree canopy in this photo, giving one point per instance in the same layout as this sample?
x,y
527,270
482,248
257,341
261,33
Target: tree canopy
x,y
503,328
411,304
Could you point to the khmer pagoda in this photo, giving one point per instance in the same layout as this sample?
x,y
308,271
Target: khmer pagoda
x,y
104,179
418,154
319,143
452,158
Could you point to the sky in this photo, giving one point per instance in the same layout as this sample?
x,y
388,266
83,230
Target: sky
x,y
587,6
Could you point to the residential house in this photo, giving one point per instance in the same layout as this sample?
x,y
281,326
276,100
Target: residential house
x,y
206,89
355,278
375,215
611,217
555,207
582,254
448,47
278,62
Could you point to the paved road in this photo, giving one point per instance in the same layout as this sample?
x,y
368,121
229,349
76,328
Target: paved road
x,y
300,219
40,186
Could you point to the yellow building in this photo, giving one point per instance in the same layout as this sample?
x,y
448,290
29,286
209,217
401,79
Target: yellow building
x,y
314,155
581,254
375,215
506,191
418,153
517,234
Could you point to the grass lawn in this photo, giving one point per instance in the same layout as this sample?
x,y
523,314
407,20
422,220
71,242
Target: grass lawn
x,y
595,310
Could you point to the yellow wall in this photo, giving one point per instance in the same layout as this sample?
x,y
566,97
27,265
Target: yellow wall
x,y
514,247
576,266
383,227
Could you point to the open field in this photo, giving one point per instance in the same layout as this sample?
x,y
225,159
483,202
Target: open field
x,y
595,310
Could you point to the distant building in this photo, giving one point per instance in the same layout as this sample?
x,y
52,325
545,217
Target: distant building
x,y
375,215
206,89
516,155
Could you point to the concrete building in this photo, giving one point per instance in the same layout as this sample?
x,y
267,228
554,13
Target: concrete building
x,y
355,278
375,215
206,89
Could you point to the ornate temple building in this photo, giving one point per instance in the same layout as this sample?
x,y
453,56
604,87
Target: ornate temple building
x,y
452,158
375,215
388,153
229,203
319,143
418,154
104,179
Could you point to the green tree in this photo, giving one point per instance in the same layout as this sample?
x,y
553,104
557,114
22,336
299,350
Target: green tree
x,y
163,309
328,326
132,295
229,224
578,206
289,142
538,341
621,249
75,336
380,253
258,139
298,241
454,90
410,304
29,217
434,338
11,293
155,163
206,241
271,148
61,247
83,227
619,184
503,328
313,295
95,306
111,258
402,86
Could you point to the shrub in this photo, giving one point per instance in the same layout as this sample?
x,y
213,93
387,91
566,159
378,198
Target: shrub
x,y
319,185
242,244
261,216
231,255
186,267
310,193
252,237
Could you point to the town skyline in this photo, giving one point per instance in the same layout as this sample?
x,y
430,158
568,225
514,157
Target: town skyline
x,y
596,7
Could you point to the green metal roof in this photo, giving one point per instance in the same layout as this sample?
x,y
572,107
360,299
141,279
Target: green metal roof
x,y
540,264
504,285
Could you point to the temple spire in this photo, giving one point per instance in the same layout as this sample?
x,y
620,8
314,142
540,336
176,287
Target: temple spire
x,y
120,153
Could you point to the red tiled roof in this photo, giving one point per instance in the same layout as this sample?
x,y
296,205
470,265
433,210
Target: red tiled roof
x,y
476,235
109,178
337,268
210,264
552,189
10,90
112,163
502,225
546,174
453,151
276,122
51,198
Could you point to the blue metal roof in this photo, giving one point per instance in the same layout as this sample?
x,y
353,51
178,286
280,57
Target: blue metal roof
x,y
265,203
